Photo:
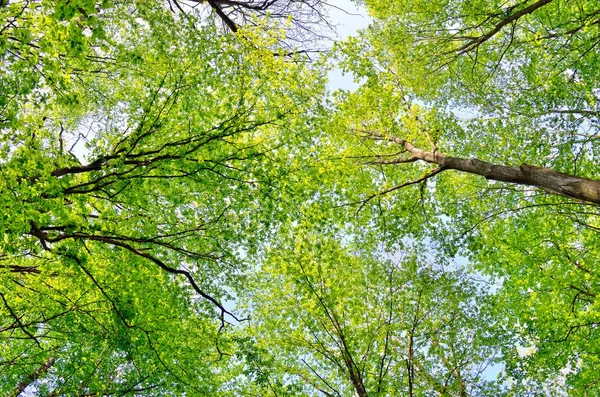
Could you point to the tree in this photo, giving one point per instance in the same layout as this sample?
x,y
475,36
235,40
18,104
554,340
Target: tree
x,y
339,319
504,89
186,211
306,22
141,158
427,49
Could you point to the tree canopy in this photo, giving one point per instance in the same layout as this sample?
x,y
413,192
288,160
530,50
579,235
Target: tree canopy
x,y
187,210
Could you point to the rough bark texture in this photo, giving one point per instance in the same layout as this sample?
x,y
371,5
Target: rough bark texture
x,y
544,178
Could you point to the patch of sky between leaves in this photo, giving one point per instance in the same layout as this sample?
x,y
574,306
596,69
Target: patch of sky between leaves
x,y
348,18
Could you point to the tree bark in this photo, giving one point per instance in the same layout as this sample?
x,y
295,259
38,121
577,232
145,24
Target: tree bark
x,y
473,44
547,179
35,375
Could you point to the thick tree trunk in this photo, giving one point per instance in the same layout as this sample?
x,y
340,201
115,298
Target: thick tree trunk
x,y
544,178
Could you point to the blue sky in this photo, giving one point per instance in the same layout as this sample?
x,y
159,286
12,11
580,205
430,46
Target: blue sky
x,y
348,18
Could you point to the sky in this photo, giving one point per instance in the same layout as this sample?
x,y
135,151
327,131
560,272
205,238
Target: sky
x,y
348,18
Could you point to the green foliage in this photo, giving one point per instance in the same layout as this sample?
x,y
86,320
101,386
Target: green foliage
x,y
142,160
507,83
344,318
185,211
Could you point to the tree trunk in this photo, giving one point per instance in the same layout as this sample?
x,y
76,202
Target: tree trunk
x,y
544,178
35,375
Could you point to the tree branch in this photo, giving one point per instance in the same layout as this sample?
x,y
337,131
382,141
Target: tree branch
x,y
473,44
35,375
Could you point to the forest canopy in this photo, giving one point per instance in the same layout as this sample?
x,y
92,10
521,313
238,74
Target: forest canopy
x,y
188,209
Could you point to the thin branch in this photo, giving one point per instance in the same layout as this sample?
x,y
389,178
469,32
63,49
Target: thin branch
x,y
386,191
18,321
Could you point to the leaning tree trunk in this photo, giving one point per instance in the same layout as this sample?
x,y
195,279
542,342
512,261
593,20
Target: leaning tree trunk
x,y
544,178
547,179
32,377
